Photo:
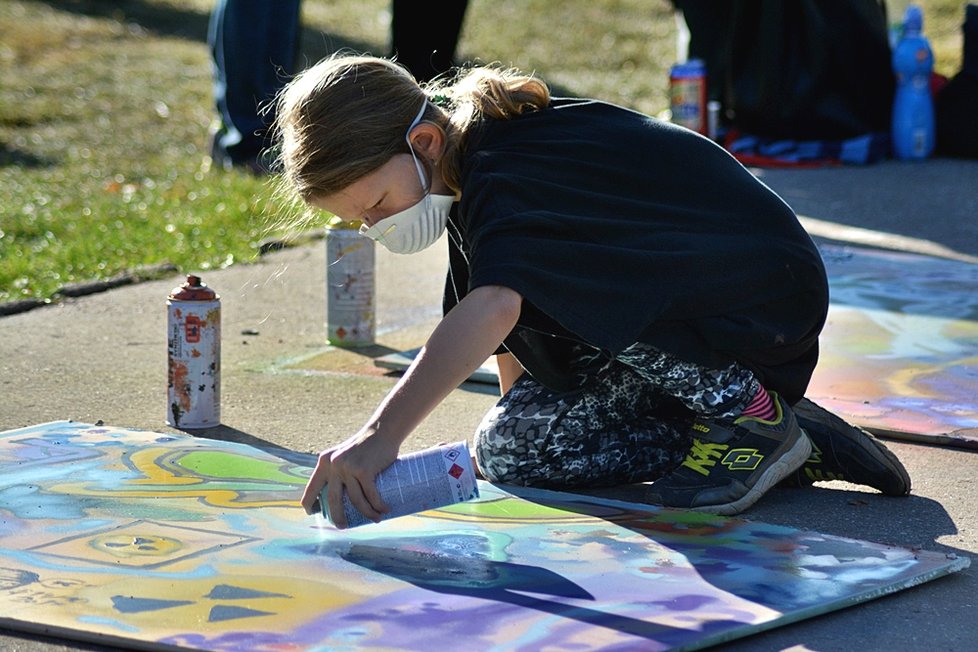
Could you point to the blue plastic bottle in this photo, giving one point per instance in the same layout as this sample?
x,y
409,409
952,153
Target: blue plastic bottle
x,y
913,107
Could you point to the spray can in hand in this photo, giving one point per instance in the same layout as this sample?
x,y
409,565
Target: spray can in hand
x,y
417,482
913,128
194,356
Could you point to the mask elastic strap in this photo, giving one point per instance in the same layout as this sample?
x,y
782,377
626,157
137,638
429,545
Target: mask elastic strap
x,y
415,123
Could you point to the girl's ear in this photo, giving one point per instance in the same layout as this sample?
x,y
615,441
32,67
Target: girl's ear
x,y
428,140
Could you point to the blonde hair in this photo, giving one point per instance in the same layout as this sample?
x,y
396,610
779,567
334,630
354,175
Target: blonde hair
x,y
483,93
347,115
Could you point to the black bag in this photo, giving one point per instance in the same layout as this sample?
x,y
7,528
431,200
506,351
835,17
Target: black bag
x,y
956,106
802,69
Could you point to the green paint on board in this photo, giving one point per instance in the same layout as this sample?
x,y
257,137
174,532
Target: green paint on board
x,y
214,464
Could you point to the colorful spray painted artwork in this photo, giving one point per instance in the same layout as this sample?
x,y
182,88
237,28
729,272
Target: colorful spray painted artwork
x,y
172,542
899,354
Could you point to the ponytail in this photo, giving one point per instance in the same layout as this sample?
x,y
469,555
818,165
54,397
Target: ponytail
x,y
478,94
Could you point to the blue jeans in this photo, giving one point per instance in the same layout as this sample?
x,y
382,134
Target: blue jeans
x,y
253,45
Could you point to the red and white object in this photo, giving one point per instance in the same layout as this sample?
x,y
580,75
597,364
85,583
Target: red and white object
x,y
194,356
687,95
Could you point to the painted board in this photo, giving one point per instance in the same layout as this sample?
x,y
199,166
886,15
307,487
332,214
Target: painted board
x,y
156,541
899,353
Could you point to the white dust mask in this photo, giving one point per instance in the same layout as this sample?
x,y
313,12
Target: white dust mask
x,y
419,226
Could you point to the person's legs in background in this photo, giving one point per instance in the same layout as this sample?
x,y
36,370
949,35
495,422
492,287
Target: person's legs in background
x,y
424,35
253,45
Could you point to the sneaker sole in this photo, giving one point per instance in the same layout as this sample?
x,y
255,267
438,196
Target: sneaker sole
x,y
810,411
785,465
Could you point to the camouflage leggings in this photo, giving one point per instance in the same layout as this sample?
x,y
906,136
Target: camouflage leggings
x,y
628,423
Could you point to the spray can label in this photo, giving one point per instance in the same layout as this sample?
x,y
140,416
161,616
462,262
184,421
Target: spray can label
x,y
350,299
687,95
194,356
417,482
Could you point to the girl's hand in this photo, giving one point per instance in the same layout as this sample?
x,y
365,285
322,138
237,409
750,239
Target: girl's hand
x,y
352,466
468,334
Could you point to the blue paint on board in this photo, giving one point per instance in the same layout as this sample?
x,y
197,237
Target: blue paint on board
x,y
131,604
223,612
229,592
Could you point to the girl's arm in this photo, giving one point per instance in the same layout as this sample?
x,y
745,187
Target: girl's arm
x,y
463,340
509,370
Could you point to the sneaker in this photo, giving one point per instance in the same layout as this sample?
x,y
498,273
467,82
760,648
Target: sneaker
x,y
844,452
733,463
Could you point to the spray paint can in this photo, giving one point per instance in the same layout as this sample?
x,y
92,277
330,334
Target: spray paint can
x,y
350,296
194,361
417,482
687,95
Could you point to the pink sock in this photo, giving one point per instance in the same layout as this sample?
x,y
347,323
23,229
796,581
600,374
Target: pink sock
x,y
761,407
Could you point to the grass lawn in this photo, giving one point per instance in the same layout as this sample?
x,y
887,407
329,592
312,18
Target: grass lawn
x,y
105,108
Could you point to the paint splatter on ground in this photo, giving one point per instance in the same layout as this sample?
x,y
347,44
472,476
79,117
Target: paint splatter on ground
x,y
133,537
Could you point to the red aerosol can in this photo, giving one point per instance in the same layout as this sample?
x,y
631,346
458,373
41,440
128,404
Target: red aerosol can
x,y
194,362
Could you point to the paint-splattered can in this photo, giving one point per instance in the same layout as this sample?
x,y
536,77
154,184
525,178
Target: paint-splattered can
x,y
350,298
194,361
417,482
687,95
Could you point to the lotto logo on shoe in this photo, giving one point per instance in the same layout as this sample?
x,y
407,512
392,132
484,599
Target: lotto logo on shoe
x,y
456,471
742,459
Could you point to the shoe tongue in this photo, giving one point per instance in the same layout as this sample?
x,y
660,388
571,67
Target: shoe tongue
x,y
718,432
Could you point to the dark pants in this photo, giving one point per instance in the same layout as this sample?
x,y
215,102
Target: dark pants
x,y
629,422
253,44
424,34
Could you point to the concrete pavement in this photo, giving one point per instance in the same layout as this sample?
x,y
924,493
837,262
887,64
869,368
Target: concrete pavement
x,y
104,357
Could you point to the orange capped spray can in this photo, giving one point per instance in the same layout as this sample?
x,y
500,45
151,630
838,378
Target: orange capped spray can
x,y
194,356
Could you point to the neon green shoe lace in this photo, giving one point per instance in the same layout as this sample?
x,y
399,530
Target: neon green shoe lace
x,y
702,455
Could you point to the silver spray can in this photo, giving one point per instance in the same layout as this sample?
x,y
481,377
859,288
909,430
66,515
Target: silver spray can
x,y
417,482
350,297
194,356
